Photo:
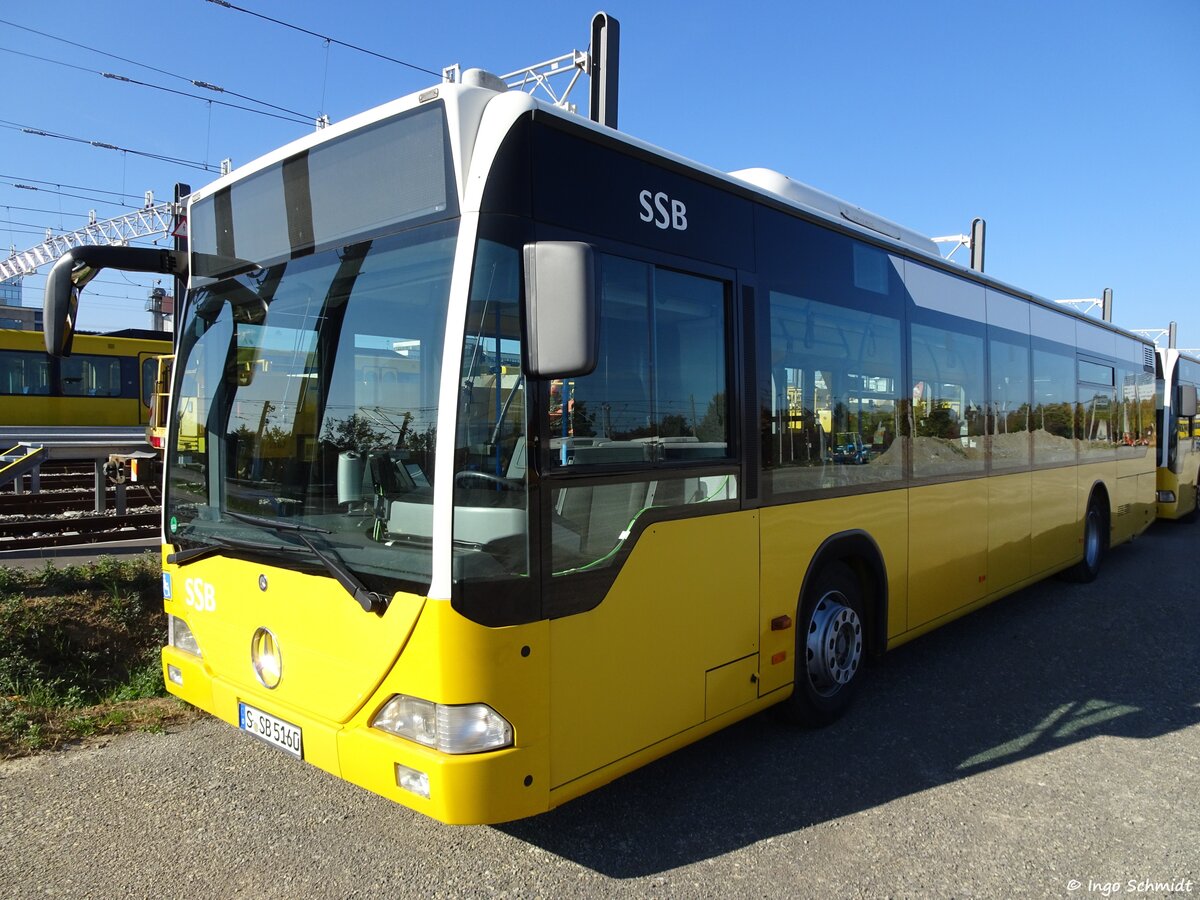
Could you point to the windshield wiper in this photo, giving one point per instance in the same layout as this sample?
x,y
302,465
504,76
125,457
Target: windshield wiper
x,y
367,599
183,557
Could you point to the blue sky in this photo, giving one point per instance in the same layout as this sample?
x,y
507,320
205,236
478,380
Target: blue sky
x,y
1071,127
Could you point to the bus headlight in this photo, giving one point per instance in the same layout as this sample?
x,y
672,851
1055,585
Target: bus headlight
x,y
471,728
180,636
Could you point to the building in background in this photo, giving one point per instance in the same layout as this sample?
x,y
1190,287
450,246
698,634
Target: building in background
x,y
12,313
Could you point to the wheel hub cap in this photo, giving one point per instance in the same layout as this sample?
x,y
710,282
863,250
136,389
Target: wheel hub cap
x,y
834,646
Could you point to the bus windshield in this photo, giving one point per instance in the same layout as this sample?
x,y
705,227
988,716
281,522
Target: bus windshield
x,y
308,397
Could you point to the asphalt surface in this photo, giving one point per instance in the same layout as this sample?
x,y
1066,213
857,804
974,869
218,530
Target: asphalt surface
x,y
1047,746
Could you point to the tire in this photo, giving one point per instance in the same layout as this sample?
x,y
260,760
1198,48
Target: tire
x,y
830,647
1194,515
1095,543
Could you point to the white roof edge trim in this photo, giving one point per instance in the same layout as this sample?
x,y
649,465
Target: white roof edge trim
x,y
801,194
463,103
493,127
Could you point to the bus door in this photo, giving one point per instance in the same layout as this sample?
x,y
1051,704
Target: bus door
x,y
650,570
147,378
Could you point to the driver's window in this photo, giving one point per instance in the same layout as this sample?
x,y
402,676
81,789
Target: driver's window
x,y
490,446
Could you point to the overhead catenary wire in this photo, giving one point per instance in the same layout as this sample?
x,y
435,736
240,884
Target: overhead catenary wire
x,y
92,295
8,230
325,37
104,145
53,212
195,82
96,200
41,229
158,87
101,281
29,225
74,187
95,295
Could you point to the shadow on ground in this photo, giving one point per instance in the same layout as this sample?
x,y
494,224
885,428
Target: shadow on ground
x,y
1052,665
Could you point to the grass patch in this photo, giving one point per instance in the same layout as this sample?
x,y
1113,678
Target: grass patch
x,y
79,653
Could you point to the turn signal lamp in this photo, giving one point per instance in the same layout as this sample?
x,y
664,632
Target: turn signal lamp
x,y
471,728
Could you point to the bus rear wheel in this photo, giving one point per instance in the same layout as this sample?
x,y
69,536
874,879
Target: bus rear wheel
x,y
830,647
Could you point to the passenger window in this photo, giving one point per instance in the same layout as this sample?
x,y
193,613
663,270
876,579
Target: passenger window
x,y
835,379
1135,399
1098,418
1010,412
659,391
1053,407
948,402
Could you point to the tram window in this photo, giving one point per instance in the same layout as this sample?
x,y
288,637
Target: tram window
x,y
91,376
149,373
24,373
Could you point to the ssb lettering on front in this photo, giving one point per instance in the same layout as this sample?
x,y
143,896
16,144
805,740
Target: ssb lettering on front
x,y
665,212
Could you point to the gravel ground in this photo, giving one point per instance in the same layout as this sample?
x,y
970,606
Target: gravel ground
x,y
1048,746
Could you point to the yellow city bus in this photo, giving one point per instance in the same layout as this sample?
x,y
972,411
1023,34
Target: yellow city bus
x,y
510,453
1178,424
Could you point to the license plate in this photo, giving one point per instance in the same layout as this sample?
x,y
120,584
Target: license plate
x,y
275,731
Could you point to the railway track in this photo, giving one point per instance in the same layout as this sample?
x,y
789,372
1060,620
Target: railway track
x,y
47,504
58,532
63,512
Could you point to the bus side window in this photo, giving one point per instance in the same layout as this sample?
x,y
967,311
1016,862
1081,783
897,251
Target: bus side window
x,y
657,399
835,379
659,391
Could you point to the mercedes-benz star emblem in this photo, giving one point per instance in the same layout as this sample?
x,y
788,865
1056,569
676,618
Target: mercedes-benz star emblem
x,y
264,655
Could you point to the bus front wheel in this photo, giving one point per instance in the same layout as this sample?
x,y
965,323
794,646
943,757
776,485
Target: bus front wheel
x,y
1195,513
1095,543
830,647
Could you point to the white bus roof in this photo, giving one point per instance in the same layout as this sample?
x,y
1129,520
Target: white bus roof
x,y
473,110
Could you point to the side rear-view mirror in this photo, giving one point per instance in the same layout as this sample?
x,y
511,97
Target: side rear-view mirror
x,y
1187,401
76,268
562,316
